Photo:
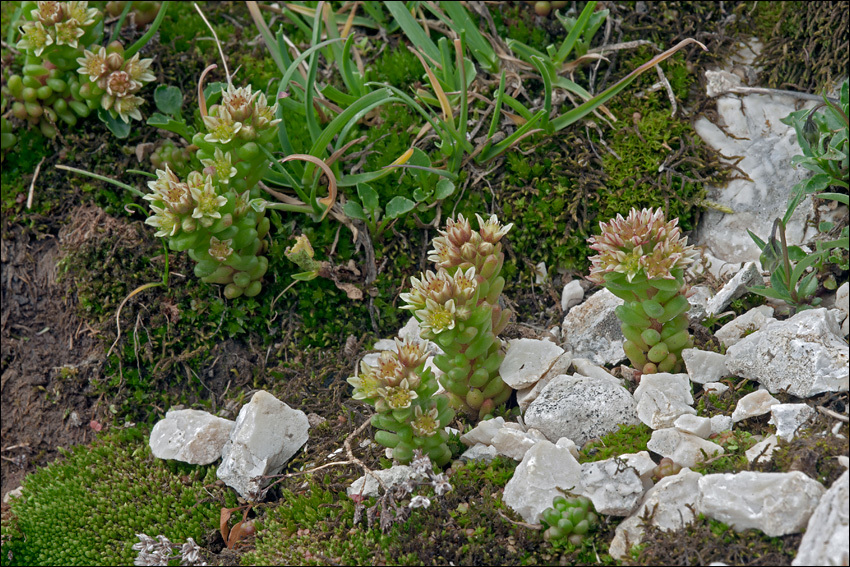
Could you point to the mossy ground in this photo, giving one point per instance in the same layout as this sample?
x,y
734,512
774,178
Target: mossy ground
x,y
185,344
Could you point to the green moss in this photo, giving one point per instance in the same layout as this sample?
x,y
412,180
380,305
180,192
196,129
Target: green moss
x,y
627,439
87,509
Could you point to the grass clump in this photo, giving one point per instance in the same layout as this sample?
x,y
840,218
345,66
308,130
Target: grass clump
x,y
627,439
87,509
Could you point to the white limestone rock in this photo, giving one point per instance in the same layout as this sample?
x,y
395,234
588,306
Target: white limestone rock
x,y
515,443
789,418
587,368
776,503
704,366
537,480
695,425
591,330
683,448
842,302
480,452
390,477
525,396
569,445
698,297
483,432
720,423
643,464
716,388
192,436
753,404
762,451
266,435
734,288
527,360
671,503
571,295
614,487
827,538
804,355
755,319
580,408
663,397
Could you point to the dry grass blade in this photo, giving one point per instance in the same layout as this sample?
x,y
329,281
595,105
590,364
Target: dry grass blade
x,y
138,290
331,198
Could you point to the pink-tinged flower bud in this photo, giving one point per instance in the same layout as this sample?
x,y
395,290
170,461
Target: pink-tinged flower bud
x,y
114,61
48,13
189,224
457,232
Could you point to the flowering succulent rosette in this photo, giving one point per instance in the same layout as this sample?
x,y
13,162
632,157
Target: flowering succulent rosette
x,y
642,260
409,414
457,307
53,36
113,81
216,213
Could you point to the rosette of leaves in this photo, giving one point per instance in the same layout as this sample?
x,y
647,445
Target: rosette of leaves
x,y
457,307
410,415
642,260
569,518
216,213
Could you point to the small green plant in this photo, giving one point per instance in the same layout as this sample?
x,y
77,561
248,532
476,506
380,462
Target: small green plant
x,y
569,518
67,74
410,416
458,308
823,138
642,260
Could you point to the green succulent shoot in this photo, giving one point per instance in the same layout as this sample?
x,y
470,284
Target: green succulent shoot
x,y
642,260
569,518
217,213
457,307
410,414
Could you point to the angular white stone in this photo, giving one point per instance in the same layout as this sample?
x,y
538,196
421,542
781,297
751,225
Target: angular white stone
x,y
776,503
683,448
614,487
544,470
390,477
734,288
663,397
580,408
527,360
587,368
698,297
721,423
480,452
569,445
803,355
762,451
753,404
789,418
192,436
571,295
753,320
671,503
695,425
483,432
514,443
827,539
266,435
643,464
704,366
842,301
525,396
592,330
716,388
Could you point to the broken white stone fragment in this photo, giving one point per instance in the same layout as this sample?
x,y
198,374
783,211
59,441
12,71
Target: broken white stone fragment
x,y
753,320
580,408
515,443
704,366
683,448
266,435
762,451
734,288
390,477
695,425
527,360
827,538
789,418
804,355
525,396
776,503
592,330
614,487
483,432
670,503
698,297
663,397
571,295
715,388
587,368
480,452
545,470
720,423
753,404
643,464
192,436
842,302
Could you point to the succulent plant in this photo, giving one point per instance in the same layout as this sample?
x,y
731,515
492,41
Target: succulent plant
x,y
409,414
142,13
569,518
177,158
457,307
642,260
217,213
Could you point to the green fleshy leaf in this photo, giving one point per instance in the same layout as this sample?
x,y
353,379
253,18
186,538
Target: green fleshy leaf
x,y
168,99
399,206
